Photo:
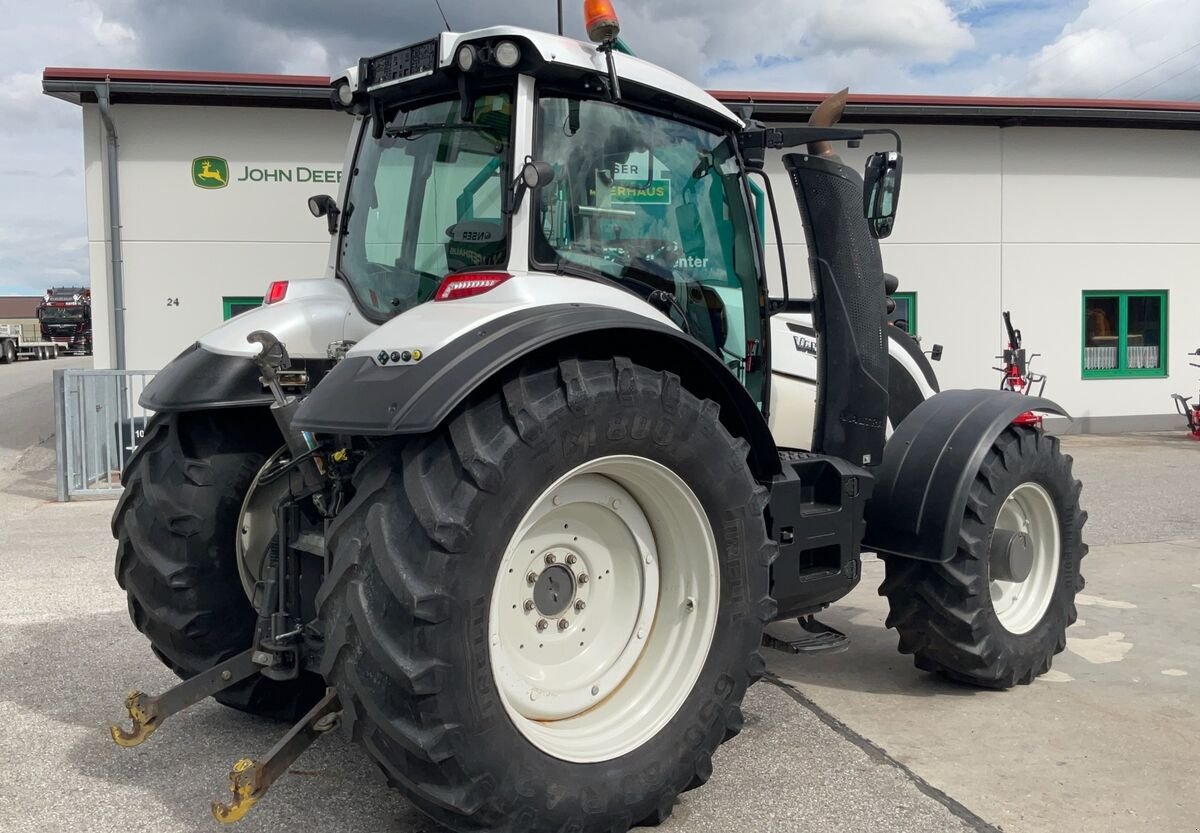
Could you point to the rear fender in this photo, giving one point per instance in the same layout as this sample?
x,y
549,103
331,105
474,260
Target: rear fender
x,y
372,395
928,466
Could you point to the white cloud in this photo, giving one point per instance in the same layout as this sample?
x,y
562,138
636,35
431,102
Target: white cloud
x,y
1115,48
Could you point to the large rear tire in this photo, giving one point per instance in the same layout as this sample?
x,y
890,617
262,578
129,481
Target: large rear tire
x,y
454,632
997,613
8,353
176,525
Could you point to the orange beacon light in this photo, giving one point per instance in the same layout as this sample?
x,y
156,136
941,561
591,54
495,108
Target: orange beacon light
x,y
601,20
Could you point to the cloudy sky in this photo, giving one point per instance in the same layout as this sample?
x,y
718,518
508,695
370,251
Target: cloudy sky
x,y
1102,48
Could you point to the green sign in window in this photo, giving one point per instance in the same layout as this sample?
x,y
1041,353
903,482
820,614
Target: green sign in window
x,y
1124,334
633,192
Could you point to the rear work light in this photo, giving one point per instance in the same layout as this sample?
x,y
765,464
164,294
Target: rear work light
x,y
276,292
468,285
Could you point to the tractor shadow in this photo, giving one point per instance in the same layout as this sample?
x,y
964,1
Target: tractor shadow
x,y
70,675
871,664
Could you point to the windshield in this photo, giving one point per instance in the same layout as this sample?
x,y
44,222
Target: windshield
x,y
425,201
658,206
62,313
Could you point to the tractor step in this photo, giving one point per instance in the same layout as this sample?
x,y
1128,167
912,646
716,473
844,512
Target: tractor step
x,y
249,780
148,712
804,636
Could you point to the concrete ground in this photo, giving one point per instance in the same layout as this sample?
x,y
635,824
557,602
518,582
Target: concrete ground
x,y
27,424
856,741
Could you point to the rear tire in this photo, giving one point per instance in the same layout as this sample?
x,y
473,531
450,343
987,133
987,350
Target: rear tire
x,y
8,353
176,526
958,619
421,570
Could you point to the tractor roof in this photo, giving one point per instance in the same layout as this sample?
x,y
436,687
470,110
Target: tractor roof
x,y
568,52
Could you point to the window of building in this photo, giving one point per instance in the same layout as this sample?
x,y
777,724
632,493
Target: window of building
x,y
904,316
239,304
1124,334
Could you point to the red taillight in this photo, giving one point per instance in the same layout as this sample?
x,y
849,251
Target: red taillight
x,y
468,285
276,292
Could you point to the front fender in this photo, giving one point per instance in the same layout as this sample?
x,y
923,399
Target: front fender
x,y
928,466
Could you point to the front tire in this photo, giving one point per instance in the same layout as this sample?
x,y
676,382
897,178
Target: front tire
x,y
176,525
983,618
474,708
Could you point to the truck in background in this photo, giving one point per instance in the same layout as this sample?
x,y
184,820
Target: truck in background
x,y
65,316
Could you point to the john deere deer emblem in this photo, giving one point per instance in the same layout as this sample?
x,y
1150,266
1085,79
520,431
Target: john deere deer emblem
x,y
210,172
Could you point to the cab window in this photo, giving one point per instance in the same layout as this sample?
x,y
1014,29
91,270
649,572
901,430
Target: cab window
x,y
657,206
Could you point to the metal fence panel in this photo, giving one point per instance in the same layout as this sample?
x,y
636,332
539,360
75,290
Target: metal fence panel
x,y
99,423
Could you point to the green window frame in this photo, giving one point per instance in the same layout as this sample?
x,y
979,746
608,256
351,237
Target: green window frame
x,y
1123,370
229,304
910,299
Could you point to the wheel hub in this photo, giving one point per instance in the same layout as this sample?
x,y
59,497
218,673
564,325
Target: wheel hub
x,y
554,592
1012,555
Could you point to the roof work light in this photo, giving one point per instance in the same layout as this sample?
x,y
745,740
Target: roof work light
x,y
601,21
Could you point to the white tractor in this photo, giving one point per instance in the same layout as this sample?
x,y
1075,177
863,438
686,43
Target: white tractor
x,y
511,494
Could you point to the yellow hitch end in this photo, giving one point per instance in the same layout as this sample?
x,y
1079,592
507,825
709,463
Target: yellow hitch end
x,y
143,718
243,785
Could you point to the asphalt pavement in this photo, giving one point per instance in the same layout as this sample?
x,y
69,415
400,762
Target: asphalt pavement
x,y
859,742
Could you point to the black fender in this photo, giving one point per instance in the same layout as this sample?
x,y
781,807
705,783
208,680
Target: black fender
x,y
928,466
361,397
198,379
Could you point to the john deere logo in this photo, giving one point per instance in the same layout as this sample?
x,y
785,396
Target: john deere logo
x,y
210,172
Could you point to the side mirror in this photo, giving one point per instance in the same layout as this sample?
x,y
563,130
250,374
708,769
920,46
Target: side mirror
x,y
323,205
936,353
881,192
534,176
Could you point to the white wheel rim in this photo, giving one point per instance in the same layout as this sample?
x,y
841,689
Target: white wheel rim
x,y
1020,605
611,677
256,524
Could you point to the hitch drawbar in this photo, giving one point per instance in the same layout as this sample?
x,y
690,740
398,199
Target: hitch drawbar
x,y
249,779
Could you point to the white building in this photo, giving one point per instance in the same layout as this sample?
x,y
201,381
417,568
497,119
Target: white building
x,y
1072,214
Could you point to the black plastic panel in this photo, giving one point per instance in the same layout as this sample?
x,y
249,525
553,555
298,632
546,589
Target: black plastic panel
x,y
849,310
928,467
817,516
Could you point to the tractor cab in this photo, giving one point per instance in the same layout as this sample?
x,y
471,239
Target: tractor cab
x,y
504,153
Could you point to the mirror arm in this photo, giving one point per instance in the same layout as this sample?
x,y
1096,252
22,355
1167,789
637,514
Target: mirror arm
x,y
876,131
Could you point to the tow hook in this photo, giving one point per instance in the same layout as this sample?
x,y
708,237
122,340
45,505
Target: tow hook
x,y
148,712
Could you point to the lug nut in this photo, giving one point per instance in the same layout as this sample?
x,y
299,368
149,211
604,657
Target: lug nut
x,y
550,558
528,605
580,605
571,559
532,578
542,624
563,624
583,579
